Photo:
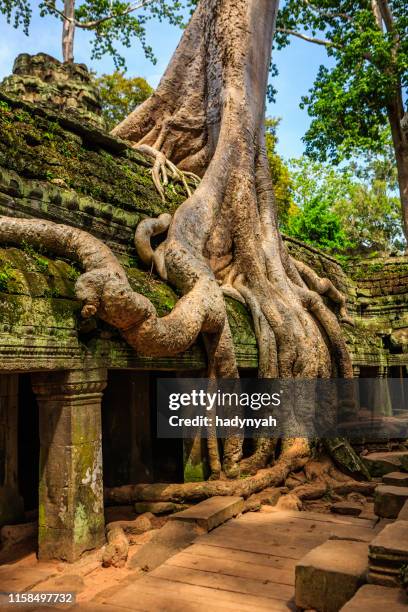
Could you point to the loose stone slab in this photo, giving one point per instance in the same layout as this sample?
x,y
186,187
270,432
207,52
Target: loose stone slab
x,y
397,479
329,575
212,512
403,514
389,500
374,598
347,508
391,542
379,464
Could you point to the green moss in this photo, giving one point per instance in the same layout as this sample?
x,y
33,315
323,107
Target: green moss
x,y
7,274
44,150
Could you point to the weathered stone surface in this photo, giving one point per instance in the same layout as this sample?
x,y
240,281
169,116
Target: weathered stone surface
x,y
397,479
329,575
353,534
403,513
389,500
71,518
391,542
380,464
373,598
212,512
43,80
388,552
346,507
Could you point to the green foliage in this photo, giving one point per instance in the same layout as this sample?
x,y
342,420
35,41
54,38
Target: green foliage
x,y
114,23
17,12
346,211
280,173
7,273
368,70
121,95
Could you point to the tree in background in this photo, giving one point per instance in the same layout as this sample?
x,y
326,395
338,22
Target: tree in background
x,y
121,95
362,90
112,22
351,210
279,171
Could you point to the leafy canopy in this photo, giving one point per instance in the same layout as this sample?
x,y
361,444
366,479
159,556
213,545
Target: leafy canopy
x,y
368,69
121,95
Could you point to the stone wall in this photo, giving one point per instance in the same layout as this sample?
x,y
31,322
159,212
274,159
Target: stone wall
x,y
58,168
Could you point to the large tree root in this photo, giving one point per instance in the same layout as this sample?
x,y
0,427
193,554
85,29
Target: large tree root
x,y
293,458
206,118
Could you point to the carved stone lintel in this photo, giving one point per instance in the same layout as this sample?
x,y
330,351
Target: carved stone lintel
x,y
71,518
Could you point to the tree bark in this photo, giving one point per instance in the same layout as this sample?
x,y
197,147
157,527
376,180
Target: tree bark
x,y
68,32
207,116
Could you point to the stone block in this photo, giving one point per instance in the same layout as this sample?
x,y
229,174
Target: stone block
x,y
388,552
347,508
329,575
403,513
212,512
373,598
397,479
379,464
389,500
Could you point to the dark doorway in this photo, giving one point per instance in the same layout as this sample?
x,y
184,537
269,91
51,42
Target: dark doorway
x,y
132,453
28,443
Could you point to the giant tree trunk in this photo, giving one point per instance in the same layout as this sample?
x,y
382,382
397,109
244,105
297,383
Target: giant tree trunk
x,y
68,32
207,116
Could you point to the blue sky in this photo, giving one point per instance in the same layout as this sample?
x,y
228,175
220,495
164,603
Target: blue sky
x,y
298,65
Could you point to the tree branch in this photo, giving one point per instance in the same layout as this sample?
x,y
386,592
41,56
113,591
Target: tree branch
x,y
316,41
320,41
90,25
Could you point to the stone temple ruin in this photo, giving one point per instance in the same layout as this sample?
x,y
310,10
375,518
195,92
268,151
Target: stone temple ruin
x,y
77,383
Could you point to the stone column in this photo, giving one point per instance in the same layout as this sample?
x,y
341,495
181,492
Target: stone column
x,y
11,503
71,518
382,405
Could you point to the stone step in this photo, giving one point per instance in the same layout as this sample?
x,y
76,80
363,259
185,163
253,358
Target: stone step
x,y
373,598
389,500
329,575
347,508
397,479
212,512
379,464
